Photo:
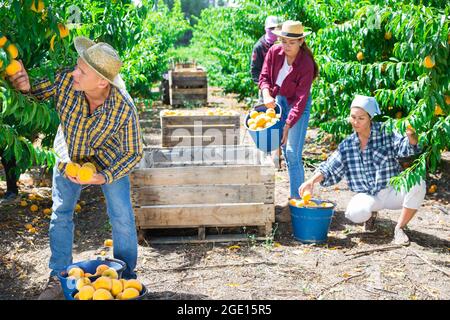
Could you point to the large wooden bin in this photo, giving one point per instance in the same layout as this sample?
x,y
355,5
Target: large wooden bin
x,y
199,130
202,187
188,86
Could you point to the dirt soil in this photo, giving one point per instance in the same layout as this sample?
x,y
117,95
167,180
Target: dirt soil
x,y
352,265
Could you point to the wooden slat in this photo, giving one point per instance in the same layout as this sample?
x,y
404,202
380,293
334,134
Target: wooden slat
x,y
187,72
188,91
183,99
216,130
218,215
185,65
207,126
200,163
208,239
202,176
190,82
174,141
196,155
204,119
206,194
180,102
208,130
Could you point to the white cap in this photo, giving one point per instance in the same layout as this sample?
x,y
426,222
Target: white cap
x,y
369,104
271,21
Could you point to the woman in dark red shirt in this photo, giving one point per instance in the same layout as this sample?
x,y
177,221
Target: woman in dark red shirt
x,y
286,78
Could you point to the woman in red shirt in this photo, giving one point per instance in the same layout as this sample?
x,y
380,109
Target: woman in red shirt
x,y
286,78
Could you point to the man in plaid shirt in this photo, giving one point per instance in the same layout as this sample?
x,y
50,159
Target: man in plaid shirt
x,y
368,160
99,124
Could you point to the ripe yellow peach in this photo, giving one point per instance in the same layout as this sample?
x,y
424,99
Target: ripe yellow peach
x,y
102,294
254,114
3,40
312,204
108,243
117,287
63,30
432,188
13,67
438,111
76,272
133,283
326,205
103,283
101,268
306,197
85,174
260,121
360,56
82,282
110,273
72,169
428,62
12,50
86,292
129,293
271,113
89,165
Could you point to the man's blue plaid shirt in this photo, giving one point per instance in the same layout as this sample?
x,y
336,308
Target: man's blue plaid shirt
x,y
368,171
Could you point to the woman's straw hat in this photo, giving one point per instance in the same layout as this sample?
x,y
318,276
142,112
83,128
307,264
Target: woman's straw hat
x,y
291,30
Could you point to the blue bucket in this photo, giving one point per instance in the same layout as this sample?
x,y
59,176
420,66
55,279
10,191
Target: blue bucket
x,y
311,225
141,296
90,266
267,139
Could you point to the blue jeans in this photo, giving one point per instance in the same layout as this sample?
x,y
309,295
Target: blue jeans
x,y
293,149
65,195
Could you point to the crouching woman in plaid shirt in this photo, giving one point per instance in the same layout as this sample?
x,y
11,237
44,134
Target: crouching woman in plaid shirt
x,y
99,124
368,159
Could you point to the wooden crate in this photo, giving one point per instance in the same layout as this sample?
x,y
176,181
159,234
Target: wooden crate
x,y
188,85
185,65
202,187
199,130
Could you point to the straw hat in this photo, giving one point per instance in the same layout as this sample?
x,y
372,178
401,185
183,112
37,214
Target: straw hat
x,y
102,58
291,30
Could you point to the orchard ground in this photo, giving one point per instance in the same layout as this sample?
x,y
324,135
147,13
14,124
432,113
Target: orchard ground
x,y
352,265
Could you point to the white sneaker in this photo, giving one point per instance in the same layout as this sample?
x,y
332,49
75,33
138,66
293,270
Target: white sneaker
x,y
276,161
400,237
